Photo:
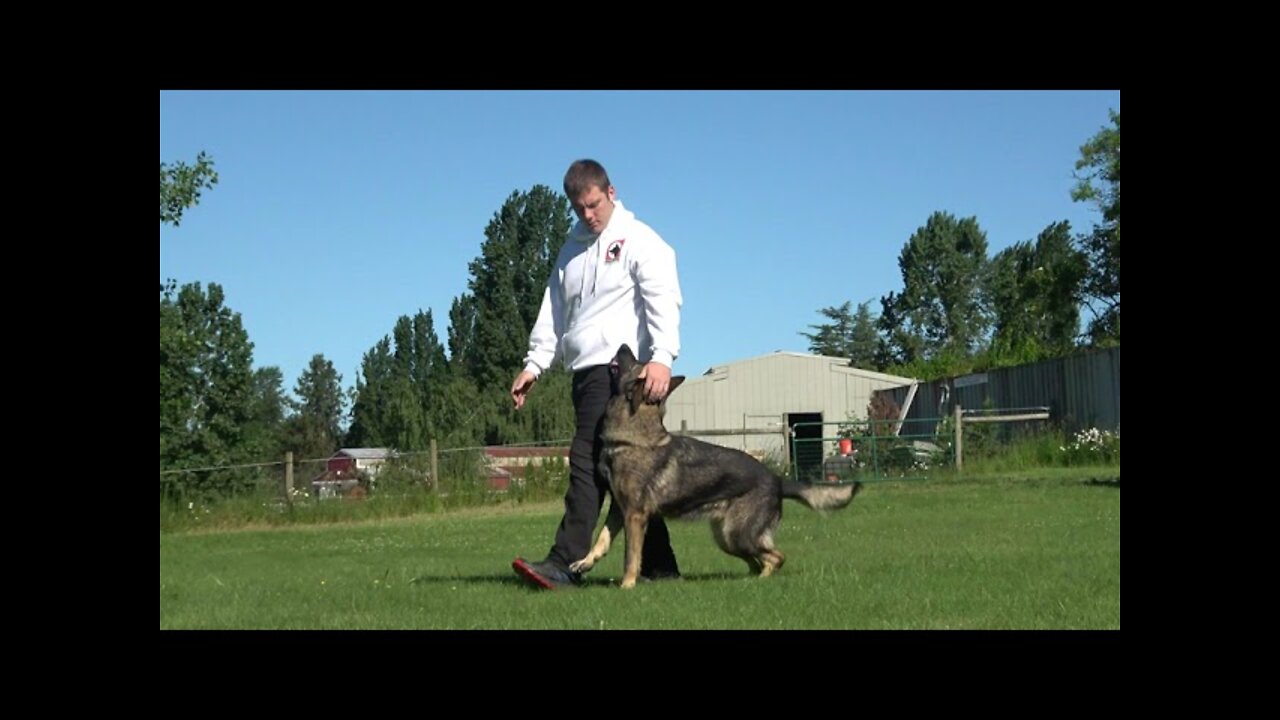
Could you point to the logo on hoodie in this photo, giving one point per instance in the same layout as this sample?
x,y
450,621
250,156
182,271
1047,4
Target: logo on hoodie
x,y
614,251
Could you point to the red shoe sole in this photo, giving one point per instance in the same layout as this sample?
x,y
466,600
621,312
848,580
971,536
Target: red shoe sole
x,y
523,569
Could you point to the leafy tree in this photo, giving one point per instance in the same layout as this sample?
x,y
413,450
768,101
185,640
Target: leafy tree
x,y
264,435
1035,293
507,283
207,393
407,392
180,187
1098,181
400,396
369,414
940,308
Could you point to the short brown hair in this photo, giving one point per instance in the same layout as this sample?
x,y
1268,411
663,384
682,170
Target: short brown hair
x,y
584,175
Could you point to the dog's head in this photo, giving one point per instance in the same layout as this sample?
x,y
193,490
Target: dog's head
x,y
628,383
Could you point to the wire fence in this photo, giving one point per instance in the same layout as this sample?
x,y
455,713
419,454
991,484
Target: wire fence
x,y
361,473
815,452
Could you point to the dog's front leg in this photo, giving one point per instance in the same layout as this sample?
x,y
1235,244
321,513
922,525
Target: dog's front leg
x,y
637,524
612,526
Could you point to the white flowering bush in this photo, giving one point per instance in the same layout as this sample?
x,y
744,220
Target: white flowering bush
x,y
1091,447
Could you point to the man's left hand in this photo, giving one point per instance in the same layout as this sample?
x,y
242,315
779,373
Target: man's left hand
x,y
657,381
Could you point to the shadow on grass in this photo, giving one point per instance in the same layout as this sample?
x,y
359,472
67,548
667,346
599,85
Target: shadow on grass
x,y
513,580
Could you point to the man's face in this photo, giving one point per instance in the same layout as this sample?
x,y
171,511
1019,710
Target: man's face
x,y
594,207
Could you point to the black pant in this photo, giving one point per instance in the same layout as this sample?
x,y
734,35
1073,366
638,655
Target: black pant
x,y
587,487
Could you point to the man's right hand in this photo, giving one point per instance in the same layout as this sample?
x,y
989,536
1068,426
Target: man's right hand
x,y
520,388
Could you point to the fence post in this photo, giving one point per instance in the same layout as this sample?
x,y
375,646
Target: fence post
x,y
435,465
959,415
288,475
786,451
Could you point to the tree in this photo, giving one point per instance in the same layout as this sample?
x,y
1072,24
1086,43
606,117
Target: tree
x,y
419,376
898,343
462,325
400,396
207,398
430,371
180,187
490,325
1035,292
1100,184
368,407
507,282
866,341
833,338
264,435
319,392
408,392
547,414
940,309
315,429
460,415
847,335
403,421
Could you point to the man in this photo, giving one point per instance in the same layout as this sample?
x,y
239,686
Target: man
x,y
614,283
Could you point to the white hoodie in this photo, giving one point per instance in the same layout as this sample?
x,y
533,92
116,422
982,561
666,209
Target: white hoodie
x,y
617,288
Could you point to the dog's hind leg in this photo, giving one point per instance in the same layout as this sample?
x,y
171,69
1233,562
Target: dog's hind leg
x,y
726,536
721,535
771,561
763,557
770,557
612,526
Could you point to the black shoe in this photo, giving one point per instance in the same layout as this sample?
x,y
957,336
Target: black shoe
x,y
546,574
658,575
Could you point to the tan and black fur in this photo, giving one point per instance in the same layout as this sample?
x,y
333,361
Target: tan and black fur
x,y
652,472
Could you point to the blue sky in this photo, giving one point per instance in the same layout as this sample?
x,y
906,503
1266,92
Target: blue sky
x,y
338,211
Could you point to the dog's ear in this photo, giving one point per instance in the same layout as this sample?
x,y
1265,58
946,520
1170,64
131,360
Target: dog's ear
x,y
675,383
637,396
626,360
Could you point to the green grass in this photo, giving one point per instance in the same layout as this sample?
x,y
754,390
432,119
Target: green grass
x,y
1026,550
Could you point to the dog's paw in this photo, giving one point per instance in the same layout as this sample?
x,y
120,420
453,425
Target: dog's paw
x,y
582,565
627,584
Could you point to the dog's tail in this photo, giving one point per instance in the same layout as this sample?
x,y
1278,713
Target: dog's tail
x,y
820,497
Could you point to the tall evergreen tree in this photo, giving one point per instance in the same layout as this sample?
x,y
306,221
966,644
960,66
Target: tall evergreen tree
x,y
847,335
315,428
865,342
834,338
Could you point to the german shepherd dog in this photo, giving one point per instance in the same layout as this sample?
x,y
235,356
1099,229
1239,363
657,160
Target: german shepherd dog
x,y
652,472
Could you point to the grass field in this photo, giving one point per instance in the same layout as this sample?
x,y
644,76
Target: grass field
x,y
1030,550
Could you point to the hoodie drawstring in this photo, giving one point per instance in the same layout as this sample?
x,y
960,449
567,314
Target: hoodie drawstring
x,y
595,260
595,276
619,213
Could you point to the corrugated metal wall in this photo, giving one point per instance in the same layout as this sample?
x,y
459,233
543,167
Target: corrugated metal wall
x,y
1081,391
